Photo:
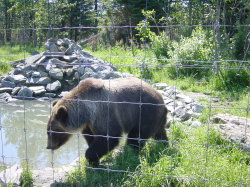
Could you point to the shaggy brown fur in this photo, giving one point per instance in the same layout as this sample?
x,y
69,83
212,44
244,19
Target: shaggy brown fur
x,y
108,108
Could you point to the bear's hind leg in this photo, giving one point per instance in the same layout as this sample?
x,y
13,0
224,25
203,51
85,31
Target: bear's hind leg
x,y
135,139
100,147
161,134
88,135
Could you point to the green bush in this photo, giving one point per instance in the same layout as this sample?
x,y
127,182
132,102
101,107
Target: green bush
x,y
26,177
193,53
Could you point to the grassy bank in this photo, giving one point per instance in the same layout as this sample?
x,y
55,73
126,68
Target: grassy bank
x,y
230,98
196,157
10,53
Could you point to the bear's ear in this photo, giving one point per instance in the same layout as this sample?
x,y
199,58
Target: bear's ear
x,y
62,114
54,102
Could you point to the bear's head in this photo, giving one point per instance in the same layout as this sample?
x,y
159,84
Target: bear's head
x,y
56,128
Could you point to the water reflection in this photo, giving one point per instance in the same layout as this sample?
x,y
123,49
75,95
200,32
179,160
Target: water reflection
x,y
18,144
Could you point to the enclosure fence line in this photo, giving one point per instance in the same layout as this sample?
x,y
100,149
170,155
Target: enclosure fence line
x,y
144,64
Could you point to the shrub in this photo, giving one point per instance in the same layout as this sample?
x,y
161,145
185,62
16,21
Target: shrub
x,y
193,53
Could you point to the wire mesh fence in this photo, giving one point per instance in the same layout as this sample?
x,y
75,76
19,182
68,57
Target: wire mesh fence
x,y
192,155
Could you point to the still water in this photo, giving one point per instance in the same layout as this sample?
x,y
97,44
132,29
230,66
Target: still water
x,y
16,145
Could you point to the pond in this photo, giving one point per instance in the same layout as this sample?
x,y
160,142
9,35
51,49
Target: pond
x,y
17,145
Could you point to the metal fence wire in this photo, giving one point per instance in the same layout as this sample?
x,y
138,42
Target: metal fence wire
x,y
143,62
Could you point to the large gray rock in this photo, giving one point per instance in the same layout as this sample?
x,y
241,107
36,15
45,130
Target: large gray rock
x,y
36,74
53,87
160,86
234,128
197,108
56,74
81,70
33,59
17,79
11,175
69,72
38,81
6,89
15,90
5,97
50,95
8,84
25,92
38,90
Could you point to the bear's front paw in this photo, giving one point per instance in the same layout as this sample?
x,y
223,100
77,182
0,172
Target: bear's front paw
x,y
92,157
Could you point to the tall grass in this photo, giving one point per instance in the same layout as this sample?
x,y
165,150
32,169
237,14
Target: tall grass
x,y
196,157
10,53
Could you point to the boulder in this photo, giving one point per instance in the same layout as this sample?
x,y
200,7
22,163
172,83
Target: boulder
x,y
6,89
25,92
53,87
160,86
36,74
5,97
197,108
8,84
50,95
38,90
38,81
17,79
11,176
56,74
33,59
15,90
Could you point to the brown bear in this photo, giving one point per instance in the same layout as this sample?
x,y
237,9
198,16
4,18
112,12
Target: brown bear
x,y
102,110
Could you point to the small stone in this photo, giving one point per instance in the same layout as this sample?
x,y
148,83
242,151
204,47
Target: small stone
x,y
87,75
70,82
184,98
6,89
38,81
36,74
8,84
69,72
59,42
15,90
185,116
70,58
11,175
38,90
179,111
5,97
53,48
25,92
53,87
41,60
197,108
81,70
70,50
18,71
33,59
56,74
63,93
18,79
50,95
160,86
168,101
196,124
77,76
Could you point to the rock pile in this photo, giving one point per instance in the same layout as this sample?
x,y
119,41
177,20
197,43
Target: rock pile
x,y
179,105
58,69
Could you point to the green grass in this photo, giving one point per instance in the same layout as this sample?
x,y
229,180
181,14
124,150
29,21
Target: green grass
x,y
234,97
189,162
26,176
14,53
